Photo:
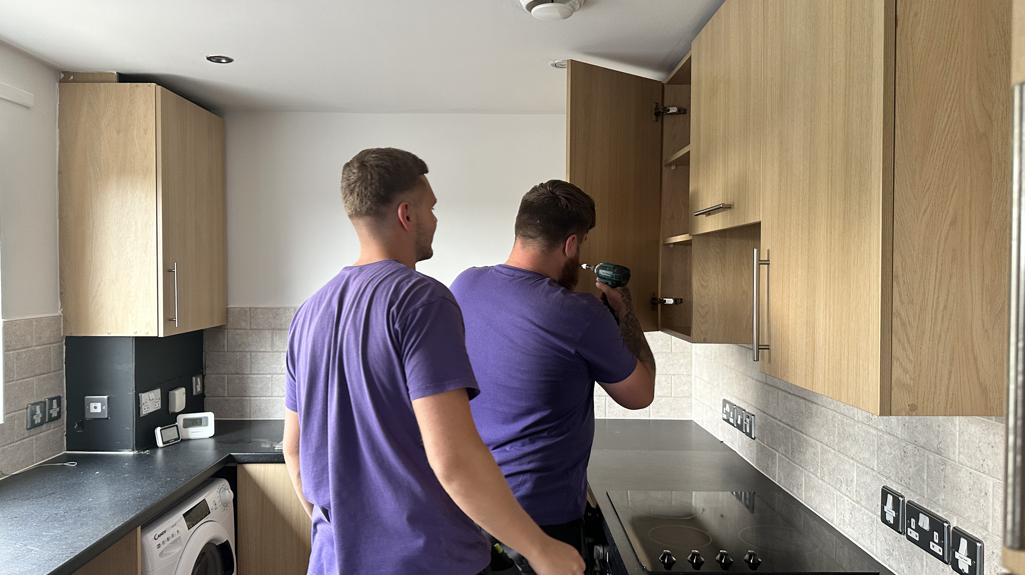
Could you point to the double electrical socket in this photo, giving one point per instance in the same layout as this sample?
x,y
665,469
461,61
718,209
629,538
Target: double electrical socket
x,y
42,412
932,533
738,417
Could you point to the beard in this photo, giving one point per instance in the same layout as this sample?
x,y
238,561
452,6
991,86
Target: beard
x,y
424,251
570,274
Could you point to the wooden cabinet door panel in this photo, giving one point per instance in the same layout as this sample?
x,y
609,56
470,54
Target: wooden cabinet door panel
x,y
192,217
273,528
121,558
107,180
615,156
951,223
729,117
708,125
828,201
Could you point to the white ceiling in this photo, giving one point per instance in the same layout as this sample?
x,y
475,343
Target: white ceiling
x,y
356,56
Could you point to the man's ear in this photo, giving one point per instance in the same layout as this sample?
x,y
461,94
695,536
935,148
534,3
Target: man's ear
x,y
405,215
571,247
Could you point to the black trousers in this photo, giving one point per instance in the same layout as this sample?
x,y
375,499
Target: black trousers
x,y
571,533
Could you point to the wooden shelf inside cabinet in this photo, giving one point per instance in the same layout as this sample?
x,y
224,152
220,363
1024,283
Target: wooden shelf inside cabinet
x,y
680,239
681,158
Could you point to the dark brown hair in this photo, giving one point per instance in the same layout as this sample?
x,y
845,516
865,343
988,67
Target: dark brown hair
x,y
553,211
376,177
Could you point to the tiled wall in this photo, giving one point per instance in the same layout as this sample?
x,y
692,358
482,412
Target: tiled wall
x,y
835,458
245,366
33,371
245,363
672,384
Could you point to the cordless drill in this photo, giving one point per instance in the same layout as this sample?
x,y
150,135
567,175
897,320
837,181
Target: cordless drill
x,y
612,275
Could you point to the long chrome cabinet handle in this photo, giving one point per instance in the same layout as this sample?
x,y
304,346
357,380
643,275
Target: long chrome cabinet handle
x,y
713,209
174,270
758,347
1014,498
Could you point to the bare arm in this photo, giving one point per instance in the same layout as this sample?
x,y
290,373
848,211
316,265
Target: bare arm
x,y
469,474
637,391
290,447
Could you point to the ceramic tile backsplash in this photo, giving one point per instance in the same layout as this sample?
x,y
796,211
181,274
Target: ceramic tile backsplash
x,y
245,363
33,370
245,367
835,458
672,384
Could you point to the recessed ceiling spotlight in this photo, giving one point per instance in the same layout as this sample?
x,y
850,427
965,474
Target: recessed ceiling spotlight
x,y
560,64
551,9
220,59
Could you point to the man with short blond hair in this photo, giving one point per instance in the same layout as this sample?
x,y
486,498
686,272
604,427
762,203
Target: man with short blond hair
x,y
379,440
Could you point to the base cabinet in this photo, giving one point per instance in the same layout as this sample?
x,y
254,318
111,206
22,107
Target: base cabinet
x,y
273,527
121,558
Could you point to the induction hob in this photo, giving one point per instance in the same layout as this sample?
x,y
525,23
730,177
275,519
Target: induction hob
x,y
736,532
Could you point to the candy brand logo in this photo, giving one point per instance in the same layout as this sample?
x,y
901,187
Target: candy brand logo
x,y
159,535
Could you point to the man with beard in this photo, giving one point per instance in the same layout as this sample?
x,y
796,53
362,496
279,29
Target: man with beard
x,y
537,349
379,440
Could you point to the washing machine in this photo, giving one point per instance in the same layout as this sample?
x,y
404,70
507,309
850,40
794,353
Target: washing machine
x,y
195,537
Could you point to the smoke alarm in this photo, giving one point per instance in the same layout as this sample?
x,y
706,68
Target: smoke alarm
x,y
551,9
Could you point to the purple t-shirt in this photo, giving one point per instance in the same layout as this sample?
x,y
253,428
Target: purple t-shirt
x,y
360,350
537,350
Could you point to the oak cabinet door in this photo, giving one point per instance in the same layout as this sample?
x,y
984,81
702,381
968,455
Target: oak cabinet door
x,y
614,155
729,117
193,267
828,201
273,528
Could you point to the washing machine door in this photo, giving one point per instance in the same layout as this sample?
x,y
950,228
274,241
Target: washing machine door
x,y
208,552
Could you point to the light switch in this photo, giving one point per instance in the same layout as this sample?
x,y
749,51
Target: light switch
x,y
967,553
35,415
892,509
96,407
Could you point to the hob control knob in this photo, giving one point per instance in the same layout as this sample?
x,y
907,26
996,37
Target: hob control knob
x,y
723,559
667,559
752,560
695,559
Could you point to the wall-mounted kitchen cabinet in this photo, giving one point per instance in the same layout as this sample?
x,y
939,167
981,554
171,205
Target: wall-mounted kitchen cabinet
x,y
729,110
636,165
142,212
885,213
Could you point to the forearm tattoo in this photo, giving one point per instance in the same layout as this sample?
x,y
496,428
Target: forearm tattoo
x,y
633,335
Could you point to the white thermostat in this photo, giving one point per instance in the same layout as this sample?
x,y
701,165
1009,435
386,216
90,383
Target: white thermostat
x,y
196,425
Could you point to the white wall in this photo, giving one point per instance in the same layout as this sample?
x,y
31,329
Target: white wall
x,y
28,189
287,229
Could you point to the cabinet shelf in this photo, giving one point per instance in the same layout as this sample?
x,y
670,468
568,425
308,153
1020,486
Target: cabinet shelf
x,y
680,239
681,158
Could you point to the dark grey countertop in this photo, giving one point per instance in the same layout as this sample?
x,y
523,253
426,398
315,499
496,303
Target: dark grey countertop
x,y
654,455
57,518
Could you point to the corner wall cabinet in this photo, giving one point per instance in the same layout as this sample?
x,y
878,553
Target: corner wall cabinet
x,y
866,160
141,210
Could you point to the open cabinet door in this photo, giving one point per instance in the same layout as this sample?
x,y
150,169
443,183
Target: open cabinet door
x,y
614,155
